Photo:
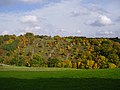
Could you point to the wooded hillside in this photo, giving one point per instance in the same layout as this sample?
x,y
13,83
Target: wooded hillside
x,y
68,52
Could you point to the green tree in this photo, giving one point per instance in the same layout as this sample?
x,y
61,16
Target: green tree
x,y
30,37
102,61
57,37
12,46
17,60
37,60
113,58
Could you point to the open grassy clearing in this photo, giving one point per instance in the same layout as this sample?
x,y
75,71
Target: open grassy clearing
x,y
23,78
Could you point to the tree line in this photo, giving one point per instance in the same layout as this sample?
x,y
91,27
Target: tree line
x,y
63,52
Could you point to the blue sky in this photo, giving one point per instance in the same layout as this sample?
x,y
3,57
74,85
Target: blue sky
x,y
90,18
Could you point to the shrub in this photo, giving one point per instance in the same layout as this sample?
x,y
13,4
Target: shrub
x,y
112,65
1,60
67,64
62,64
95,66
59,64
53,62
74,65
82,65
90,64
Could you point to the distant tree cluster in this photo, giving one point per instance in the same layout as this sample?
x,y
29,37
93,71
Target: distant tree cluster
x,y
63,52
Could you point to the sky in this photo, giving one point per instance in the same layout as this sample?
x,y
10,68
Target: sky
x,y
89,18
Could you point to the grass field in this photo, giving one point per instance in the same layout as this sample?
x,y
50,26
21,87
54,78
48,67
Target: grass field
x,y
23,78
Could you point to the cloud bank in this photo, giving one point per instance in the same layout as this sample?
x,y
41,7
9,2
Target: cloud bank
x,y
67,17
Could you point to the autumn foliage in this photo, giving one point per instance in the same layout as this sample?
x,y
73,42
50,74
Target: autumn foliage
x,y
63,52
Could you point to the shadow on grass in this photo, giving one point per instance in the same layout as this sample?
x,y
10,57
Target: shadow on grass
x,y
59,84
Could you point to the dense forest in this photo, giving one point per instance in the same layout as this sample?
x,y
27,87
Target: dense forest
x,y
64,52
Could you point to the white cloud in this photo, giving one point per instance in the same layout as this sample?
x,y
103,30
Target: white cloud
x,y
102,21
5,33
77,33
105,20
30,23
37,27
82,11
29,19
105,33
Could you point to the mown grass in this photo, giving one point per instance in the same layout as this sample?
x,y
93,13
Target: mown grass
x,y
22,78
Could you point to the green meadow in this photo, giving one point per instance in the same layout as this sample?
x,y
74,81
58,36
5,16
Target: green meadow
x,y
29,78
